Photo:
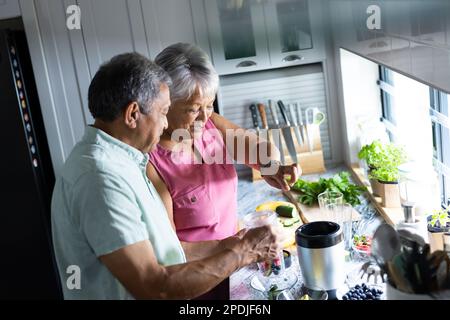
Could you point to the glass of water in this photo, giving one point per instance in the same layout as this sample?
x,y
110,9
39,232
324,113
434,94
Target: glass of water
x,y
342,215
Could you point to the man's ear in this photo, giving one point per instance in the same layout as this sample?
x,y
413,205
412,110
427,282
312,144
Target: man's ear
x,y
131,115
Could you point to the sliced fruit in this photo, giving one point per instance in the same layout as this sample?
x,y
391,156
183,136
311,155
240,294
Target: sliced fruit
x,y
285,211
289,222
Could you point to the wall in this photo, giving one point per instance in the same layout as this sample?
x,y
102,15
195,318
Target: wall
x,y
64,61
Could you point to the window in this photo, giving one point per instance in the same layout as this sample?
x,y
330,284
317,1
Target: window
x,y
416,116
441,139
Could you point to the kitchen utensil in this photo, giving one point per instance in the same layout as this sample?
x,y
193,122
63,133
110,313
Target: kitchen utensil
x,y
314,117
321,255
272,273
409,239
297,131
301,124
264,132
287,131
385,244
372,272
276,132
254,117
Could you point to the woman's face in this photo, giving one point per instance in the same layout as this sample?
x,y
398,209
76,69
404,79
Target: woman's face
x,y
184,114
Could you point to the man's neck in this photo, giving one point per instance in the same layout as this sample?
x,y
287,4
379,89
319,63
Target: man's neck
x,y
114,131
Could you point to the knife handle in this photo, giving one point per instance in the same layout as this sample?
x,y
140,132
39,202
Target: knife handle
x,y
284,112
262,113
273,110
292,112
300,116
254,115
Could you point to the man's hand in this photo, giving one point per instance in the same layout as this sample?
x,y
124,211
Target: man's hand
x,y
278,180
261,244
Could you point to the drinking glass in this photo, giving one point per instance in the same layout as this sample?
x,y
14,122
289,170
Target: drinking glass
x,y
329,197
342,215
271,275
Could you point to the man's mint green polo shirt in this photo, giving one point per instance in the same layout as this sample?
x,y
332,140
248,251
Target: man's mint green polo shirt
x,y
102,202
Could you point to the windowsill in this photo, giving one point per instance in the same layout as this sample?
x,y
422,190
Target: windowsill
x,y
392,216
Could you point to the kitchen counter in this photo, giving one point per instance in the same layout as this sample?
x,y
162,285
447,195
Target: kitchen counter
x,y
251,194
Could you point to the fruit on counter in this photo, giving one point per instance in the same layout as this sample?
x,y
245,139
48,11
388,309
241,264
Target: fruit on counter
x,y
362,242
363,292
285,211
269,267
305,297
272,205
289,222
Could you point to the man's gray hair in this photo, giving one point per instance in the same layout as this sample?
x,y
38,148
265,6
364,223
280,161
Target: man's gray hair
x,y
124,79
190,69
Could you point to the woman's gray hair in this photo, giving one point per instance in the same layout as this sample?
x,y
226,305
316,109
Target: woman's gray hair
x,y
190,69
125,78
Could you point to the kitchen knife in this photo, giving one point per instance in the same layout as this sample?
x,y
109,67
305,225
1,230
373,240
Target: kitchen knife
x,y
254,117
294,121
276,133
287,132
265,131
301,124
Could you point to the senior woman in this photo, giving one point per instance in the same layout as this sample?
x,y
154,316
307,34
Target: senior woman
x,y
201,195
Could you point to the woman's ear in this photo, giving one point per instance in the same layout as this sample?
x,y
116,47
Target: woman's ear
x,y
131,115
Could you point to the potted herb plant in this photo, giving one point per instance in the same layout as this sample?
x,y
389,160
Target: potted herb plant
x,y
372,154
384,173
438,223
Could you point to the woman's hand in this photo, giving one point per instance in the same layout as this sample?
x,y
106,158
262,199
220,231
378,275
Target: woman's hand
x,y
279,181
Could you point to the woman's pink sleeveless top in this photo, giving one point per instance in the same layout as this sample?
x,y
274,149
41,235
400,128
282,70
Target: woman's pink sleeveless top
x,y
204,193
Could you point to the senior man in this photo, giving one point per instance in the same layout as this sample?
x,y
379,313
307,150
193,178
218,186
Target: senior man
x,y
108,221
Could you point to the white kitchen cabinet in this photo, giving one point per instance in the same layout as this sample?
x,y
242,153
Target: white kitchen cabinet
x,y
255,35
9,9
294,32
237,35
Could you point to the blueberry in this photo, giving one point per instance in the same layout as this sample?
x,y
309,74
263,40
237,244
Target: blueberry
x,y
345,298
364,286
363,296
379,291
357,286
369,295
374,291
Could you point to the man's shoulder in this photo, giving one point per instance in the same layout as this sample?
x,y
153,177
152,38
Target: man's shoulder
x,y
89,161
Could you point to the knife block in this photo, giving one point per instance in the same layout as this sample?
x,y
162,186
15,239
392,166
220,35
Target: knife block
x,y
310,161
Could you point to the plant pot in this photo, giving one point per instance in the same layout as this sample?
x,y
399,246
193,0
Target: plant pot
x,y
390,194
376,187
436,237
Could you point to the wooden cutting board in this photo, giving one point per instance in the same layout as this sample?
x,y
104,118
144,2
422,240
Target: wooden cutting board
x,y
313,213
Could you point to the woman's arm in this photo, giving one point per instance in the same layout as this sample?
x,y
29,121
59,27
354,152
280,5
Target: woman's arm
x,y
247,155
245,145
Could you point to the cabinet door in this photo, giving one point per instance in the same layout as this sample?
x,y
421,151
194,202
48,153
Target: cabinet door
x,y
9,9
237,35
293,29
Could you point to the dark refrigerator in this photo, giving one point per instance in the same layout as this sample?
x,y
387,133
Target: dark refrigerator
x,y
27,264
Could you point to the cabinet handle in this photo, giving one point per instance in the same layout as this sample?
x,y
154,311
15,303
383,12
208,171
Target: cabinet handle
x,y
246,63
292,57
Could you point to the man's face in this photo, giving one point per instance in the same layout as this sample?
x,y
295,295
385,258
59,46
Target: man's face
x,y
153,124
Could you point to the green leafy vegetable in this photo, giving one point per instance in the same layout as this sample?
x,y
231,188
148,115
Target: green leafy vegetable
x,y
339,182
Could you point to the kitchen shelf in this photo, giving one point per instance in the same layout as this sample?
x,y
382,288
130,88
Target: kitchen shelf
x,y
392,216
